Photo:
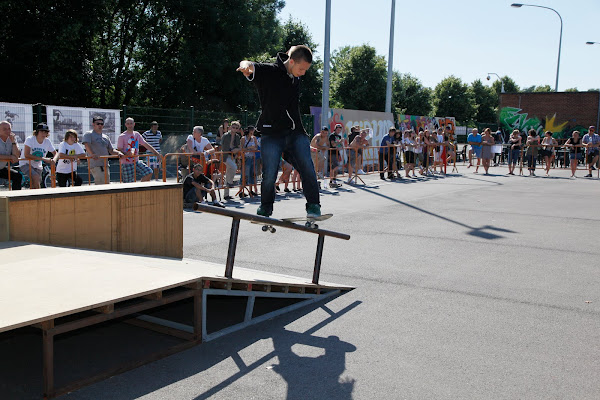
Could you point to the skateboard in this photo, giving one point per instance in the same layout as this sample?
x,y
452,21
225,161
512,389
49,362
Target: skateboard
x,y
308,222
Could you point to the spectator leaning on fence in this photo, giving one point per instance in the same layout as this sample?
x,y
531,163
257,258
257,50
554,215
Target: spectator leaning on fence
x,y
514,150
66,160
154,137
386,153
474,139
230,146
98,144
574,151
318,151
198,146
533,142
9,148
250,145
591,141
34,153
128,143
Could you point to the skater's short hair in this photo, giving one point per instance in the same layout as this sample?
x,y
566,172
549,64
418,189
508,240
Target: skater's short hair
x,y
236,123
300,53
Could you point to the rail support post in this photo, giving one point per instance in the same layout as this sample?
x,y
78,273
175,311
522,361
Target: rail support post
x,y
318,257
235,228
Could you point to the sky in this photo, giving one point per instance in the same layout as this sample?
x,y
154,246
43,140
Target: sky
x,y
434,39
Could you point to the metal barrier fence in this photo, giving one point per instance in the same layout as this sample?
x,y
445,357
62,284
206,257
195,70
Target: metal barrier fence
x,y
331,164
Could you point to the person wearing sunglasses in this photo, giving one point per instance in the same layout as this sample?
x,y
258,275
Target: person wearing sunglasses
x,y
98,144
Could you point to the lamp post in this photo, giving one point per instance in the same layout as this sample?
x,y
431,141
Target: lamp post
x,y
500,79
598,116
519,5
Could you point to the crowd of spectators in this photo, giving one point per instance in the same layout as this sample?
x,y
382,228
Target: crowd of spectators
x,y
236,153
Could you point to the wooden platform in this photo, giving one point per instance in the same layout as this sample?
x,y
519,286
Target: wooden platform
x,y
40,283
60,290
142,218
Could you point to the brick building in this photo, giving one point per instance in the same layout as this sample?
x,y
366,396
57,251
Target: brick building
x,y
561,112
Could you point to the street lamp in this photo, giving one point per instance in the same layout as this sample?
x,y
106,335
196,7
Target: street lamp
x,y
500,79
519,5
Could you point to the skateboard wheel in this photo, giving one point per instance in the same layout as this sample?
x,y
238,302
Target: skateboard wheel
x,y
265,228
273,230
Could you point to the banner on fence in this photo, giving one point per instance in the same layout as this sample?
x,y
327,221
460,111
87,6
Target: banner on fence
x,y
61,119
377,122
20,116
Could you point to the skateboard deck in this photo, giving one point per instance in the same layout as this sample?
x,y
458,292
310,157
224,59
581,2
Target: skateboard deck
x,y
309,222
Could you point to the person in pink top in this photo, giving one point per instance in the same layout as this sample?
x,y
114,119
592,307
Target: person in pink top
x,y
129,144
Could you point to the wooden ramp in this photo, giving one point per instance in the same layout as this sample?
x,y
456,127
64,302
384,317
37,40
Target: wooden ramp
x,y
59,290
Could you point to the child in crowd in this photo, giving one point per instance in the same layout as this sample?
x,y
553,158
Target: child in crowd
x,y
34,152
66,160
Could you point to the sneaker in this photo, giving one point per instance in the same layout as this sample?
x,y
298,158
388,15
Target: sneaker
x,y
588,176
218,204
286,190
349,181
228,198
313,210
361,172
320,176
262,210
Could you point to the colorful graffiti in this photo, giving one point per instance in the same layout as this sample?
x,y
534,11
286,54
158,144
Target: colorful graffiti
x,y
512,118
377,122
418,122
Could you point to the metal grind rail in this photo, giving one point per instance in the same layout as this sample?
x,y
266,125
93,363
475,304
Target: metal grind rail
x,y
237,216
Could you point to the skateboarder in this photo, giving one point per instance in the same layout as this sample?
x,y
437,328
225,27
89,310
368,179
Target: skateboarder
x,y
280,125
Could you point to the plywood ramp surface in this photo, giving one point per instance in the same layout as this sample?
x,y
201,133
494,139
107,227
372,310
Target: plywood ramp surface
x,y
43,282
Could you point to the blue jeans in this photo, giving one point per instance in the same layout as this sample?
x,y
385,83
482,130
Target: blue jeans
x,y
295,147
514,155
249,172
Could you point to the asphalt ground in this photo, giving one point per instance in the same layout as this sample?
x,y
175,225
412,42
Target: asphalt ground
x,y
467,287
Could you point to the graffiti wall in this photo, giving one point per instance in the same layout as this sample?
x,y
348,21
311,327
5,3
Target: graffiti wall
x,y
377,122
418,122
512,118
559,113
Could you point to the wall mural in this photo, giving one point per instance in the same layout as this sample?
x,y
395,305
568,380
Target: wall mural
x,y
512,118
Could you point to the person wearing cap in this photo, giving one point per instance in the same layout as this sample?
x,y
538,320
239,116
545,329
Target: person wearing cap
x,y
34,153
154,137
97,144
9,150
280,124
318,147
591,141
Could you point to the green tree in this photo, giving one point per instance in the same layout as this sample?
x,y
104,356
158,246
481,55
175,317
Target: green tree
x,y
571,90
509,86
485,101
452,98
409,96
538,89
358,80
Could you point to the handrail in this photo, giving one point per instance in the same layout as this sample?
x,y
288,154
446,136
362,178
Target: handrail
x,y
235,227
